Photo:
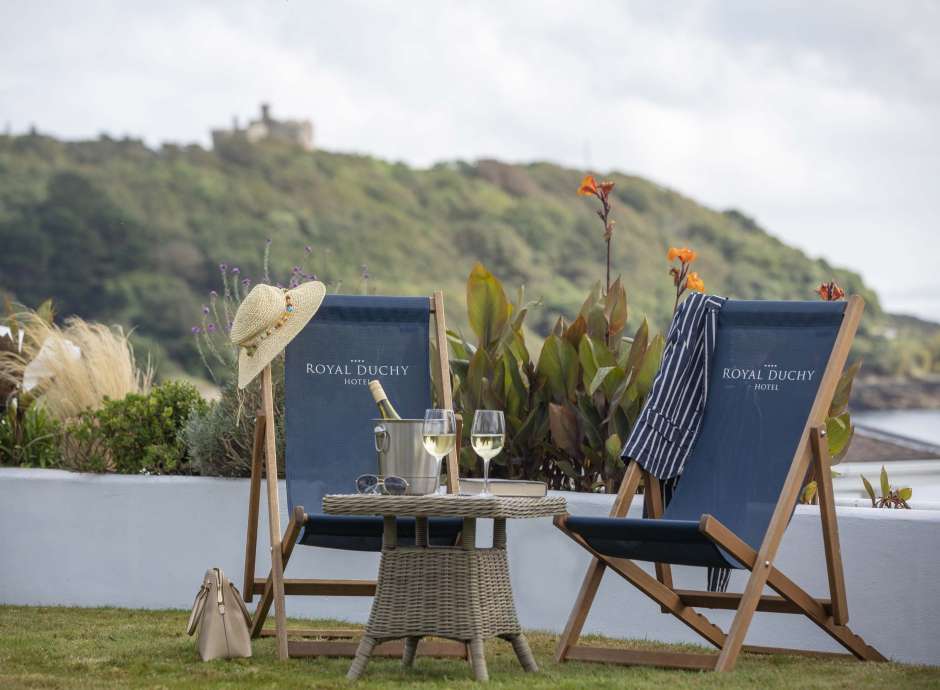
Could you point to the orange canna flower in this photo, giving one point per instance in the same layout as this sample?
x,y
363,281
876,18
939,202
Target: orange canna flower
x,y
693,282
685,255
830,291
588,186
605,188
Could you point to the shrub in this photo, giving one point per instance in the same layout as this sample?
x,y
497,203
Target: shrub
x,y
219,438
139,433
28,438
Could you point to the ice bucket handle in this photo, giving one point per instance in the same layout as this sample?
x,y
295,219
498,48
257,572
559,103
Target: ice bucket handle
x,y
381,439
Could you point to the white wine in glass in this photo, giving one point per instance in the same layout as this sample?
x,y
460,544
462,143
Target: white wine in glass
x,y
439,434
439,445
486,438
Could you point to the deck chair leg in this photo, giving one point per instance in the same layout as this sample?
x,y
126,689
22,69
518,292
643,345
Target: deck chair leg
x,y
254,507
734,640
442,373
274,514
595,571
811,607
767,552
653,499
830,527
287,548
582,605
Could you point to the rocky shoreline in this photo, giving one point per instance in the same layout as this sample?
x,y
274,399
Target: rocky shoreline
x,y
896,394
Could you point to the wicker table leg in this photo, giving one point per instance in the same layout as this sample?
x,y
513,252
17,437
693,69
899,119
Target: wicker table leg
x,y
408,655
521,647
478,660
363,652
499,533
421,531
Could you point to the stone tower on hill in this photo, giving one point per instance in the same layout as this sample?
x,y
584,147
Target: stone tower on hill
x,y
297,132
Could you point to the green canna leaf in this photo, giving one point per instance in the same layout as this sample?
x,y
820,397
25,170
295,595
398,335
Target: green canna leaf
x,y
479,372
487,306
839,431
558,368
869,489
588,361
630,359
593,296
840,399
906,493
885,486
613,383
649,366
459,347
597,322
613,445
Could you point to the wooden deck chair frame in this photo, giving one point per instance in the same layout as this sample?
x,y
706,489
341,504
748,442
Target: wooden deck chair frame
x,y
831,614
274,587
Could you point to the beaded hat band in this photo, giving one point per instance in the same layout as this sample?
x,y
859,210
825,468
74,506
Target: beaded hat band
x,y
267,320
252,347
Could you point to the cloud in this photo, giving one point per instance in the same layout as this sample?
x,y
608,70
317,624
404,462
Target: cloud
x,y
818,119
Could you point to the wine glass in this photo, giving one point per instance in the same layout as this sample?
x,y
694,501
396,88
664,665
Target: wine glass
x,y
439,434
486,438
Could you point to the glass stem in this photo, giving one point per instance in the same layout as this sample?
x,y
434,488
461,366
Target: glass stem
x,y
486,475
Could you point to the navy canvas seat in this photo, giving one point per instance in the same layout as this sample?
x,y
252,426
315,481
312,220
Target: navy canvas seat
x,y
364,533
768,361
771,379
661,541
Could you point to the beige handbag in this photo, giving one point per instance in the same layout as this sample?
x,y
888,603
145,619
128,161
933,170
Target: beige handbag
x,y
221,617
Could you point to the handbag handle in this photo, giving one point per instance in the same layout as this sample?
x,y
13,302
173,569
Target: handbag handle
x,y
199,607
241,602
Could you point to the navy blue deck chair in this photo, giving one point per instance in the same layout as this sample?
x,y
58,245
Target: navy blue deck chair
x,y
772,378
328,443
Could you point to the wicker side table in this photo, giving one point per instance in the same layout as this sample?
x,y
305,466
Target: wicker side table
x,y
458,592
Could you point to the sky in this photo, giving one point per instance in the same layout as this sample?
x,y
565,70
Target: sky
x,y
819,119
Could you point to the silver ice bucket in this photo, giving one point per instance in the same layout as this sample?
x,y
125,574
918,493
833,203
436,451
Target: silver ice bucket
x,y
401,453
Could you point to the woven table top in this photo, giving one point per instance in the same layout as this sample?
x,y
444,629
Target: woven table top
x,y
444,505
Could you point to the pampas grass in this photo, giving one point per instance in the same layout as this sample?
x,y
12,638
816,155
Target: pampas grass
x,y
105,369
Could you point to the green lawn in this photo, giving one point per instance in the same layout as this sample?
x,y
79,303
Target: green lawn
x,y
68,648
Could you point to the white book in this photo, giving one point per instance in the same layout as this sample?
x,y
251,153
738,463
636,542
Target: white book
x,y
504,487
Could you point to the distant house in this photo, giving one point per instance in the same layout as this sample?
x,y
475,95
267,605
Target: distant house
x,y
297,132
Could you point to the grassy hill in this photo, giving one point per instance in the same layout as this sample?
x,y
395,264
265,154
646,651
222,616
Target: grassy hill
x,y
115,231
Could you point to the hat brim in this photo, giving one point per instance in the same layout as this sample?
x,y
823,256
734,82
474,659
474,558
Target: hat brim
x,y
306,300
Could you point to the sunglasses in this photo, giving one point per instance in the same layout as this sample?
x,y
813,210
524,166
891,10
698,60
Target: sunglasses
x,y
373,484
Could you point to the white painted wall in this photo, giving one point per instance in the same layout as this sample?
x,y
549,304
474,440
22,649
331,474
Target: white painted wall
x,y
92,540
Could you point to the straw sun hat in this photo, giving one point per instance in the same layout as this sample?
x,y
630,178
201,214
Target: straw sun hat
x,y
269,318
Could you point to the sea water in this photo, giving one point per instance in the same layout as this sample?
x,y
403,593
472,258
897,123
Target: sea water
x,y
923,425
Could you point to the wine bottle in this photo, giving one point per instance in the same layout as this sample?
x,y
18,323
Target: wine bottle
x,y
386,410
